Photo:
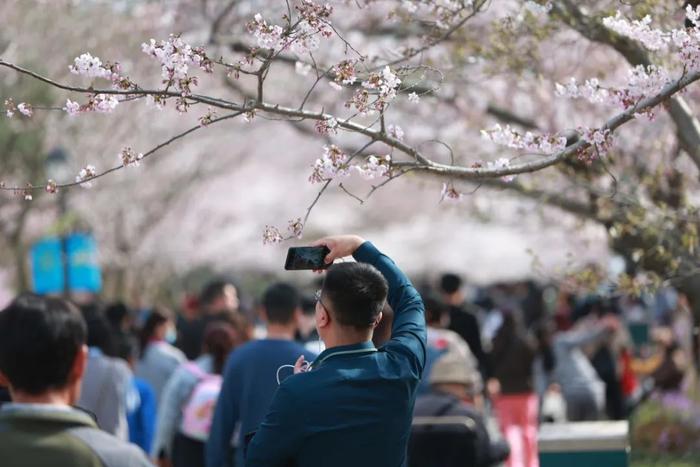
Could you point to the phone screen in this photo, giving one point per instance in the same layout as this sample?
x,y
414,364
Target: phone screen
x,y
307,257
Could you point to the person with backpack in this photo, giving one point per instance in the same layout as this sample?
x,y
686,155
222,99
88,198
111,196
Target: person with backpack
x,y
187,406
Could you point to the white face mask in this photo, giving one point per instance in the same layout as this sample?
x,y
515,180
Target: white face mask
x,y
171,335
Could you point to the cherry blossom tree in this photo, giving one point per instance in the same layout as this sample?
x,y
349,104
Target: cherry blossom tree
x,y
585,109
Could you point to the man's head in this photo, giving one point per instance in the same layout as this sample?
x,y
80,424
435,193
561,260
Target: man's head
x,y
219,296
42,349
281,304
451,287
351,303
435,310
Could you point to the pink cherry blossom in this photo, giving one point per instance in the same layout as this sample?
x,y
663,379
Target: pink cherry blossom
x,y
375,167
71,107
395,132
84,176
506,136
333,163
450,194
128,157
271,234
25,109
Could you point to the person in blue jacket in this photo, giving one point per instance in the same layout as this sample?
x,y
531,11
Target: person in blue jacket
x,y
354,406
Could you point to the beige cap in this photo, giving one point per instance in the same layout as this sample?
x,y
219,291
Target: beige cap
x,y
453,368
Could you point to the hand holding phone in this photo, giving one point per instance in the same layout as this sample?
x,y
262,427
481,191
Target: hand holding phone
x,y
307,257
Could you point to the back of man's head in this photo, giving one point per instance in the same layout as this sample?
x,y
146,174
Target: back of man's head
x,y
281,301
357,293
450,283
435,309
40,338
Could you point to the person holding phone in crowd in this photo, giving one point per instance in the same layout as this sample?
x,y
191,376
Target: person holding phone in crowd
x,y
354,405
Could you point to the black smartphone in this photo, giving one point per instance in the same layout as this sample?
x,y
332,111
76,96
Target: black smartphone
x,y
306,257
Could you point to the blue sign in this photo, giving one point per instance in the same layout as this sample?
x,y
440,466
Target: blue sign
x,y
48,266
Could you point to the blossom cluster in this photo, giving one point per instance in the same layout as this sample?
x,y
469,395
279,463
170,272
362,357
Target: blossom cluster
x,y
92,67
450,193
639,30
23,108
305,35
686,40
103,103
328,126
601,140
128,157
383,84
506,136
641,82
375,167
396,132
85,175
269,36
344,72
272,234
445,11
176,57
333,163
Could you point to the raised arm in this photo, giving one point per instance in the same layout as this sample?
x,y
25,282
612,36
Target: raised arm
x,y
408,329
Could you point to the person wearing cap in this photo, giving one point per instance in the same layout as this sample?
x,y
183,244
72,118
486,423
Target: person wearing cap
x,y
455,387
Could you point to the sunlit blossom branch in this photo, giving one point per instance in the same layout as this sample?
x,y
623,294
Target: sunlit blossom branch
x,y
477,173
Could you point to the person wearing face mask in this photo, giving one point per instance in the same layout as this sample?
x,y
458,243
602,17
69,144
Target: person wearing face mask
x,y
159,358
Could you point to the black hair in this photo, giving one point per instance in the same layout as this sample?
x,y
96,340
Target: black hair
x,y
435,309
40,338
212,291
357,293
281,300
156,317
99,332
308,304
219,340
116,313
450,283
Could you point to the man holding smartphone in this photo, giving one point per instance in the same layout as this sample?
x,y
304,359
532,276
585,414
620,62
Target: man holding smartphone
x,y
354,406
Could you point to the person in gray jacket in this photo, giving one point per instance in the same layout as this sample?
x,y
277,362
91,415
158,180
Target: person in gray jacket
x,y
583,390
43,357
159,358
107,380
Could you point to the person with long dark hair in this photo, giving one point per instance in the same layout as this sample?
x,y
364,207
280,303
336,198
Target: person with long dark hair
x,y
159,358
512,391
188,399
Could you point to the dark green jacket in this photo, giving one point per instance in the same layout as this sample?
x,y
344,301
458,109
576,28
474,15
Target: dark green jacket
x,y
32,436
354,408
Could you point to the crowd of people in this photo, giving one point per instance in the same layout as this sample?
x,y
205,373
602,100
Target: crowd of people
x,y
214,387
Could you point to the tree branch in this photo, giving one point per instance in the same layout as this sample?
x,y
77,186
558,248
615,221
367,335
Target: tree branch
x,y
687,125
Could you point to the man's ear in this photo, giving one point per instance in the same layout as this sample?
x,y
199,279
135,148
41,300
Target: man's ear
x,y
378,320
79,364
323,318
